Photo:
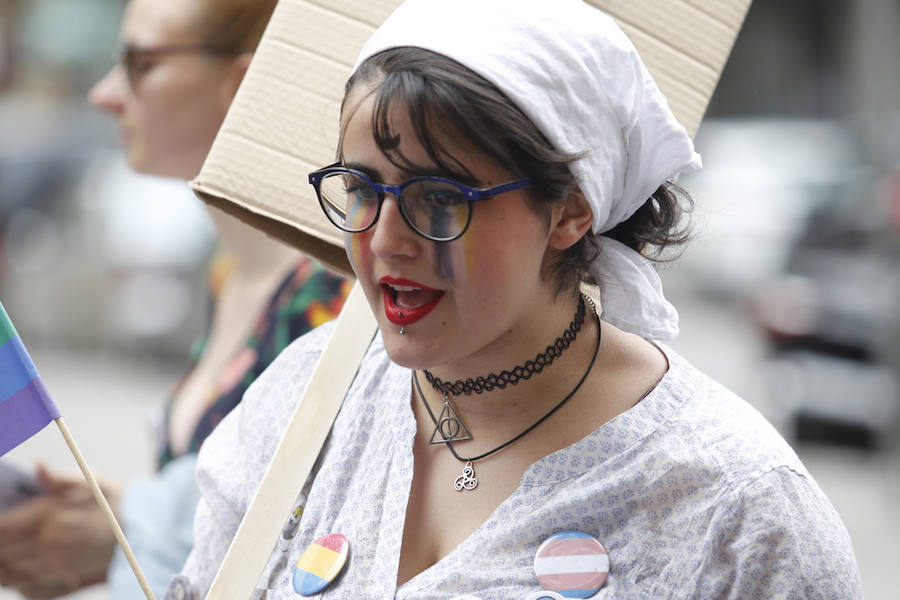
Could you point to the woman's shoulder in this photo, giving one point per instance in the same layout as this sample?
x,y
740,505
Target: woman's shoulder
x,y
687,424
765,500
695,466
726,432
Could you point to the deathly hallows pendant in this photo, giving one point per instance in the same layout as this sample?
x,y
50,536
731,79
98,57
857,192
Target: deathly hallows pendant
x,y
448,427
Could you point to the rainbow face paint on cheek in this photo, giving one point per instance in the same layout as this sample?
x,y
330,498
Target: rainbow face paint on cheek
x,y
351,246
353,243
359,252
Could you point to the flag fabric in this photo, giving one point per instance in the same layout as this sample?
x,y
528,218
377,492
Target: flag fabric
x,y
25,405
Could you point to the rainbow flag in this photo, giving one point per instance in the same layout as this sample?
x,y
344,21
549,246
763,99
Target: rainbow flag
x,y
25,405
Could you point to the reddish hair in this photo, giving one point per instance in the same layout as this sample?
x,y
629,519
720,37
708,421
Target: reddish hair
x,y
236,25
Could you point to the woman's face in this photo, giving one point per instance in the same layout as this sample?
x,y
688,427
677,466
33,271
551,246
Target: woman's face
x,y
462,301
170,111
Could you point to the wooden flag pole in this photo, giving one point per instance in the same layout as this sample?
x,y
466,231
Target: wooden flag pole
x,y
101,500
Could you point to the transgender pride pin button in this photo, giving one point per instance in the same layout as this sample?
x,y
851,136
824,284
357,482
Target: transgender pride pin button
x,y
571,563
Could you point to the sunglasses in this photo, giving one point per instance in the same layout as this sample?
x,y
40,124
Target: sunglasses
x,y
138,60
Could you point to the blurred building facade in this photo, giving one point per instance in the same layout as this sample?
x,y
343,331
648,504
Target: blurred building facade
x,y
824,59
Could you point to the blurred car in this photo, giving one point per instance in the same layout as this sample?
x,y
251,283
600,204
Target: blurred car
x,y
760,180
832,320
92,254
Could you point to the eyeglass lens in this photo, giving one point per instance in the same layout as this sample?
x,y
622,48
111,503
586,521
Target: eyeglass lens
x,y
436,209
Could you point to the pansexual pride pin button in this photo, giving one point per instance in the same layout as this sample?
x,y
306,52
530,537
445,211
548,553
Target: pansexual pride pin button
x,y
571,563
320,564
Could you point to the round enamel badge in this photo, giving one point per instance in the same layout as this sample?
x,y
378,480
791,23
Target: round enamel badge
x,y
320,564
571,563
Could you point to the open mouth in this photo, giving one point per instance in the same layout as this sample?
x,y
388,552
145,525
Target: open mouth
x,y
406,302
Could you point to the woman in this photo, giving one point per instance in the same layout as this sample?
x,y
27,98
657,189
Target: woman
x,y
501,440
180,65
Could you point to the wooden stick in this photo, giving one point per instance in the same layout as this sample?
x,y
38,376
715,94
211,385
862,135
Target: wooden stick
x,y
101,500
296,454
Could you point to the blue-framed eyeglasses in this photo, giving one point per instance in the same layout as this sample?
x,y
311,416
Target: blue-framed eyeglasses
x,y
436,208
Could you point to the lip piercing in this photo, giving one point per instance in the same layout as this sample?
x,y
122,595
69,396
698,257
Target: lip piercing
x,y
402,331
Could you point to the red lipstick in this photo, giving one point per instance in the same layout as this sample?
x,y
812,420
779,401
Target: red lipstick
x,y
405,301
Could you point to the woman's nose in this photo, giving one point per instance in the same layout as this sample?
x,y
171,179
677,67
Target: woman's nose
x,y
392,236
109,92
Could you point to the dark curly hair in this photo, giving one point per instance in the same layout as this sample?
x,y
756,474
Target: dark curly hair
x,y
441,95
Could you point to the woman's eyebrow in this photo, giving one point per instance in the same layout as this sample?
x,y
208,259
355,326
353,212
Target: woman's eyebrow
x,y
369,172
460,176
433,172
412,172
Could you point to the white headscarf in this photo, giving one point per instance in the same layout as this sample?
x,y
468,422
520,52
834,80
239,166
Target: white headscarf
x,y
577,76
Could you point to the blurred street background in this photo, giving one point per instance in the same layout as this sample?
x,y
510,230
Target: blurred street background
x,y
789,293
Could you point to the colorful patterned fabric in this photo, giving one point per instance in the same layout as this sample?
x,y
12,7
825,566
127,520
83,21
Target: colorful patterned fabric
x,y
307,298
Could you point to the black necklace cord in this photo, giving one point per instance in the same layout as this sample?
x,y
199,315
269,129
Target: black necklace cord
x,y
517,373
536,423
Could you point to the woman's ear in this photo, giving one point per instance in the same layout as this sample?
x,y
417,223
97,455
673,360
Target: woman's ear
x,y
570,220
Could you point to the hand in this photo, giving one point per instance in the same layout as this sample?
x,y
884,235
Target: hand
x,y
57,542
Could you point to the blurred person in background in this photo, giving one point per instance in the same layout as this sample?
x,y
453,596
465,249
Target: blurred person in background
x,y
6,52
180,64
